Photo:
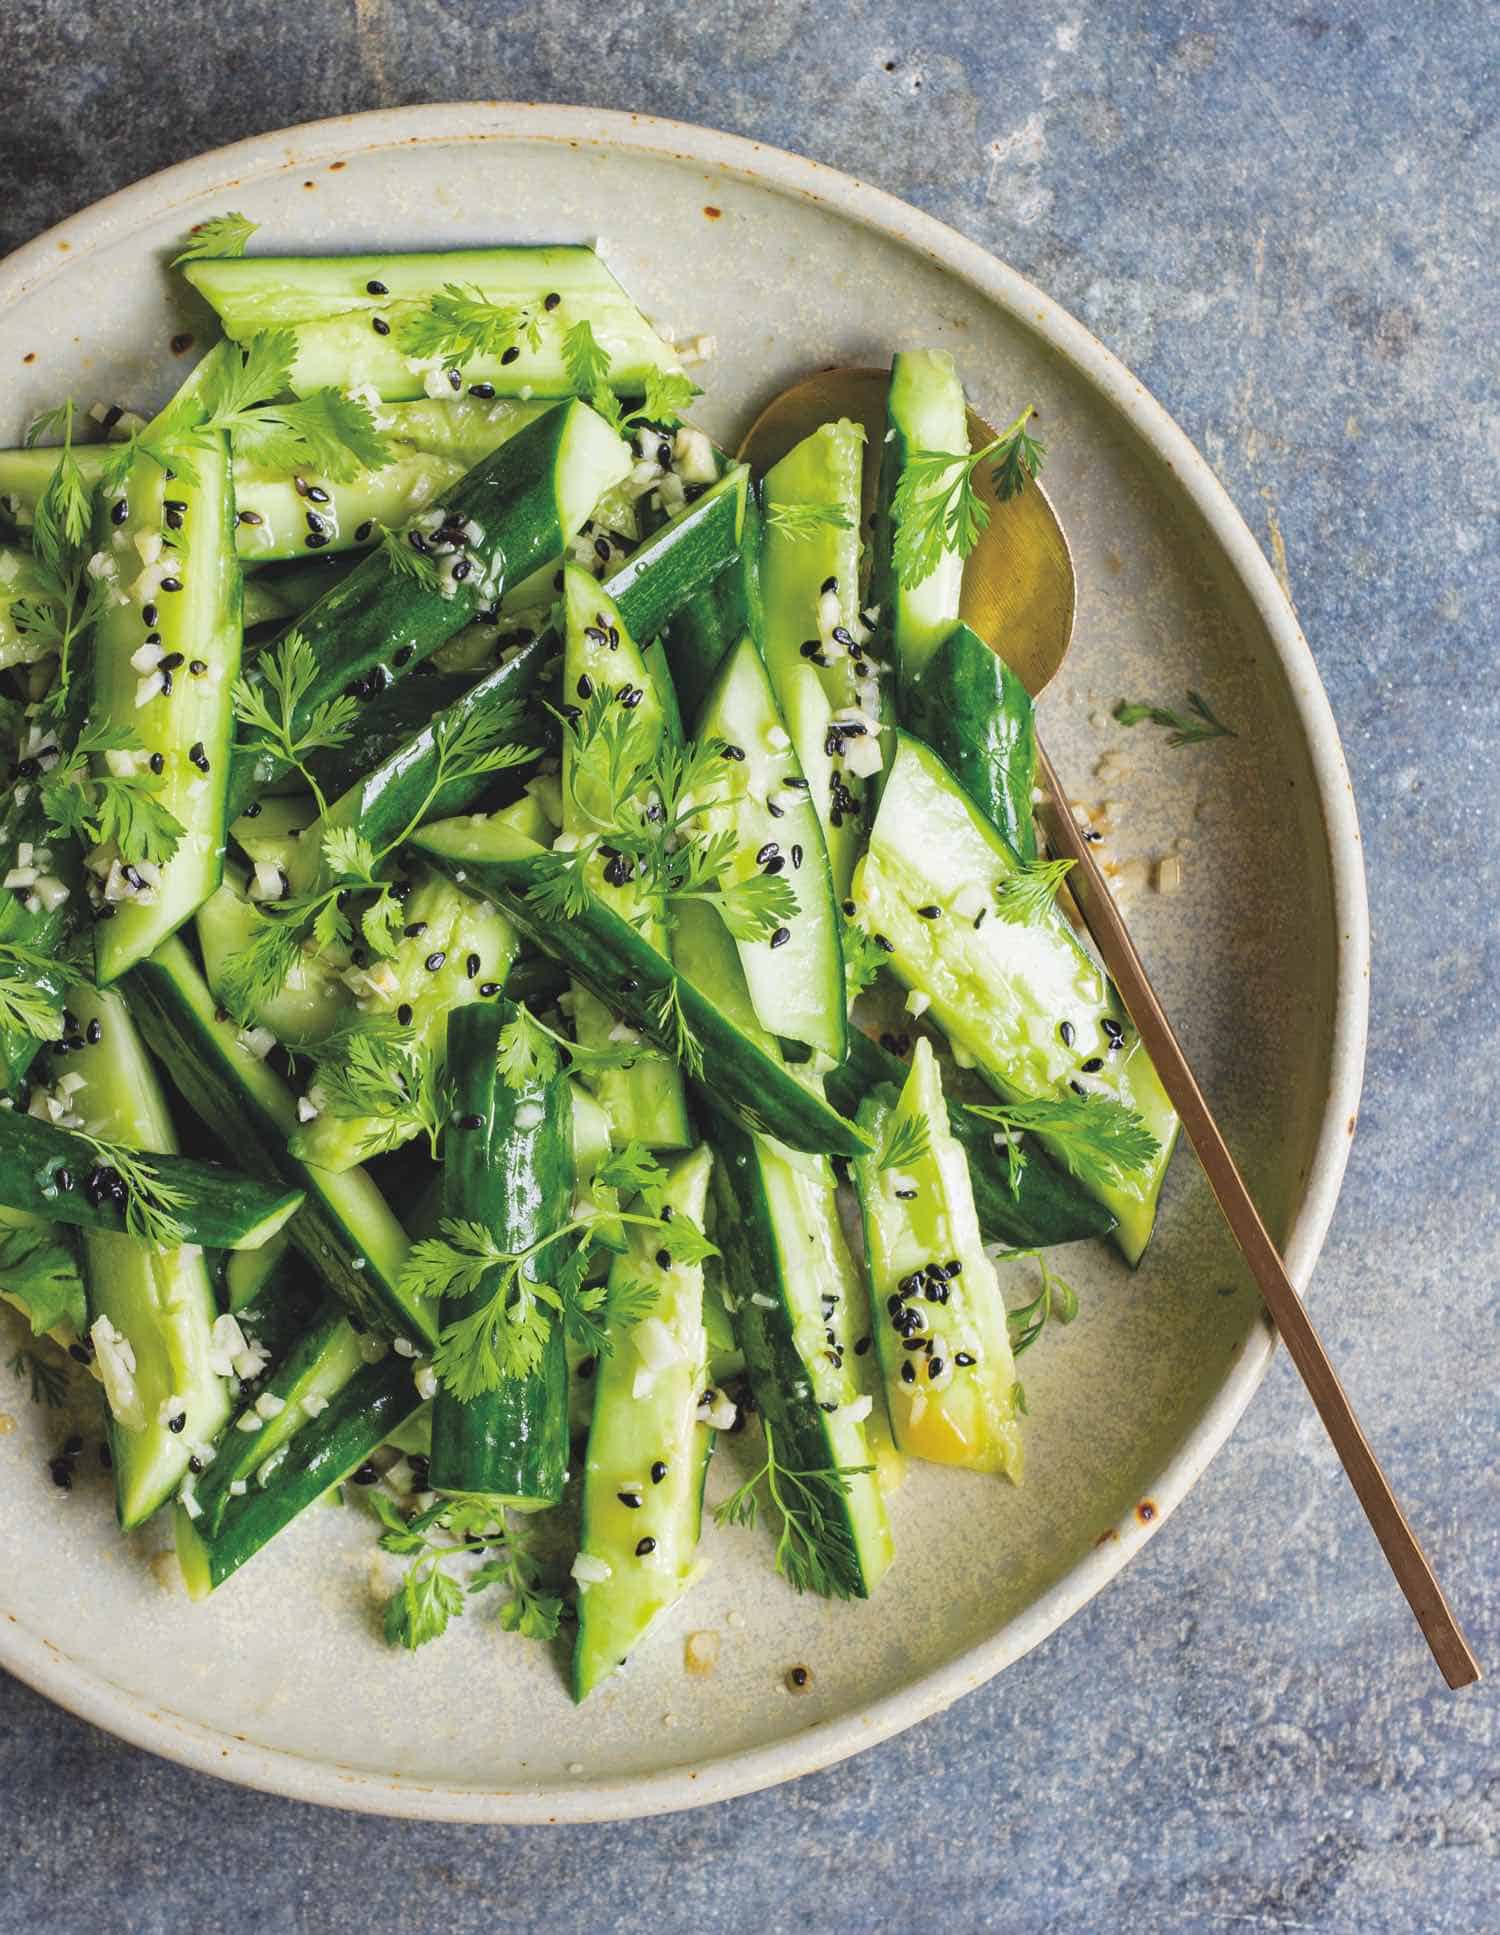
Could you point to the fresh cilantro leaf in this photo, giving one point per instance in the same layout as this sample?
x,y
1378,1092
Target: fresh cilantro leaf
x,y
587,360
31,985
462,323
1098,1139
39,1271
217,237
1188,728
757,907
385,1078
326,432
864,957
527,1054
272,701
668,394
936,509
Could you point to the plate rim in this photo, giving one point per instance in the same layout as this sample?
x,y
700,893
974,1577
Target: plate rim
x,y
87,1693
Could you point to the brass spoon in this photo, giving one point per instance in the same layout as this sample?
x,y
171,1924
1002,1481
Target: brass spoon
x,y
1019,594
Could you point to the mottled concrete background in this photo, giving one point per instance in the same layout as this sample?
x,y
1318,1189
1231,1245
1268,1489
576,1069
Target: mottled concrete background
x,y
1283,217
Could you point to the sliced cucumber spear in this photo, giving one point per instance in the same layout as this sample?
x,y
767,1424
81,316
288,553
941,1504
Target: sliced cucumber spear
x,y
58,1174
336,302
802,1317
1024,999
648,1450
164,665
515,510
638,982
507,1166
814,635
344,1228
924,411
976,715
939,1318
151,1312
796,976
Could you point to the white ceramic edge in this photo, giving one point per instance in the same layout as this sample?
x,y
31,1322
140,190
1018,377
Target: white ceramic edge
x,y
82,1692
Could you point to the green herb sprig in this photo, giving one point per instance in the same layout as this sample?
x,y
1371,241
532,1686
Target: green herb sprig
x,y
814,1549
1188,728
1099,1140
936,509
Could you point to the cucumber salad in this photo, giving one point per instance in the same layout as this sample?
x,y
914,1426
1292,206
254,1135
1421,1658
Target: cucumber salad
x,y
524,951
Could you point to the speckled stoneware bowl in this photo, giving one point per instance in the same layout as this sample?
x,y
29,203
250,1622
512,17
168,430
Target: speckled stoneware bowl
x,y
282,1681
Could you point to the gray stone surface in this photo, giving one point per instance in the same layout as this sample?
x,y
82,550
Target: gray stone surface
x,y
1283,217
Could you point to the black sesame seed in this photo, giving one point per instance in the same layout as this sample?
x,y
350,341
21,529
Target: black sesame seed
x,y
798,1677
934,1367
376,289
629,984
484,391
824,1404
197,756
908,1372
1093,1065
644,1546
73,1446
849,908
462,569
906,1195
488,988
774,865
799,785
78,1353
931,911
587,1366
1065,1031
119,511
963,1357
585,686
887,946
812,649
178,1424
768,852
776,812
62,1474
170,663
829,584
632,1499
364,531
198,666
315,524
403,655
510,355
631,697
796,856
470,1121
157,762
318,494
195,1466
167,584
403,1014
252,811
367,1475
736,753
551,301
64,1179
380,325
315,540
435,960
861,1346
663,1259
782,934
842,636
148,614
1078,1088
658,1471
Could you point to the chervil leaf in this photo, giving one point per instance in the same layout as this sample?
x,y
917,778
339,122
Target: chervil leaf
x,y
216,237
1183,729
27,1003
799,522
587,360
1027,895
386,1079
151,1203
908,1140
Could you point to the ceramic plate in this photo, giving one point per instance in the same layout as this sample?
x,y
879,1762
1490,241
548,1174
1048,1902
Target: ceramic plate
x,y
281,1681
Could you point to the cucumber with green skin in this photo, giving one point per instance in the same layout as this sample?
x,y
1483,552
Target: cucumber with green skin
x,y
810,587
1046,1206
800,1314
18,584
328,300
940,1325
645,1102
795,974
160,1302
185,605
976,715
924,411
217,1208
388,784
361,1415
648,1450
461,954
345,1228
632,977
711,623
525,501
260,1436
1026,1001
507,1165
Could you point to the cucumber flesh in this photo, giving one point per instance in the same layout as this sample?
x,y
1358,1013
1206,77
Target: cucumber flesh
x,y
186,603
800,1314
159,1302
645,1103
345,1228
329,302
647,1444
924,411
951,1397
976,715
1001,991
796,976
810,587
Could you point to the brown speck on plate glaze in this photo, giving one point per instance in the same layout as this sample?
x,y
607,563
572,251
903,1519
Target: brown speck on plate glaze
x,y
711,212
182,344
1145,1511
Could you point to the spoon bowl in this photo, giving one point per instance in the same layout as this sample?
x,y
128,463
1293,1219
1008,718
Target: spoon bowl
x,y
1020,593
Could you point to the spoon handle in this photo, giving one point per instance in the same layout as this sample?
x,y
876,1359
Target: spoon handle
x,y
1398,1541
